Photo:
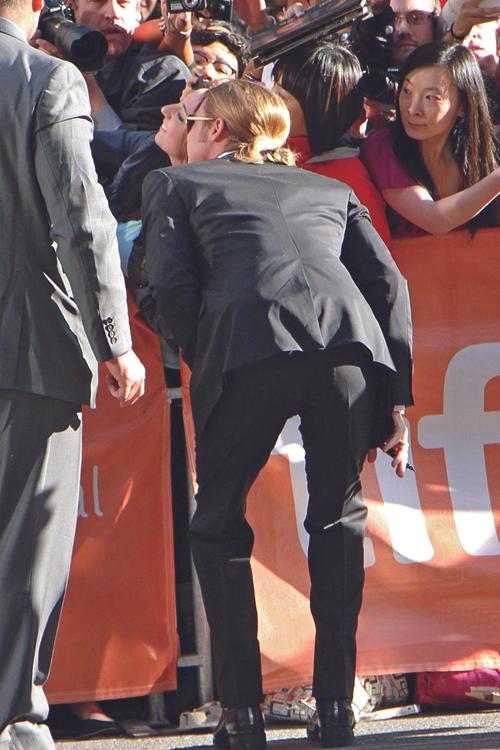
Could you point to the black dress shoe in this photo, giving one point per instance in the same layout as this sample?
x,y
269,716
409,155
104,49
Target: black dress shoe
x,y
98,728
240,729
332,723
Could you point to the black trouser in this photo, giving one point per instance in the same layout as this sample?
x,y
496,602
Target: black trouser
x,y
40,453
333,393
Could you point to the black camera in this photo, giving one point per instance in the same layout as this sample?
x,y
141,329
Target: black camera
x,y
371,41
82,46
380,85
222,10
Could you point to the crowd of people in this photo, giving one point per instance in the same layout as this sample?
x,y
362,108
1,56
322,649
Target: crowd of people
x,y
412,155
273,280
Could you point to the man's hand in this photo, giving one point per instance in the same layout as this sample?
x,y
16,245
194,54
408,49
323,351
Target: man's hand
x,y
192,98
45,46
396,445
126,378
180,23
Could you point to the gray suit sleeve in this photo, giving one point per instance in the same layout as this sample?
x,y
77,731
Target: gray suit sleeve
x,y
82,227
374,271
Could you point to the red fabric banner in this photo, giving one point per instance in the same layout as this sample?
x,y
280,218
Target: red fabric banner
x,y
432,552
118,630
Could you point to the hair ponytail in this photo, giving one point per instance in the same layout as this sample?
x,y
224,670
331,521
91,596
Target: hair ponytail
x,y
257,120
262,148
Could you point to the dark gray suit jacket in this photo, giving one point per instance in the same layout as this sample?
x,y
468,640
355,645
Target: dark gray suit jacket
x,y
250,260
139,82
62,295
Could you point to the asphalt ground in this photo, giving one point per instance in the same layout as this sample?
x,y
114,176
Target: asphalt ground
x,y
429,731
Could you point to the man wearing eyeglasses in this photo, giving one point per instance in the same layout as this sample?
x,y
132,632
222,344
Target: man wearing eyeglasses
x,y
415,23
217,54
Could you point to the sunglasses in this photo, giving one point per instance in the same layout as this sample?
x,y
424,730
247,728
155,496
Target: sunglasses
x,y
191,119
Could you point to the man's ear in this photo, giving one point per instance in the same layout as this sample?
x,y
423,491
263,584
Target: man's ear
x,y
37,5
219,131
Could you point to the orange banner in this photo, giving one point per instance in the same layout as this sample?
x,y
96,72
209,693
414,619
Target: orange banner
x,y
432,551
118,631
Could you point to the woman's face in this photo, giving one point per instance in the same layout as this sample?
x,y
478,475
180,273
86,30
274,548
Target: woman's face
x,y
297,120
171,137
429,103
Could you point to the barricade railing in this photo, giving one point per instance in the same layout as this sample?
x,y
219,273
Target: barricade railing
x,y
432,548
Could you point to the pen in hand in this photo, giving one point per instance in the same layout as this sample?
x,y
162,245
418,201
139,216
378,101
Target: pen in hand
x,y
392,454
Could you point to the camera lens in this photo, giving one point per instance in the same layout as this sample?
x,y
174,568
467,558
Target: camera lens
x,y
194,5
379,86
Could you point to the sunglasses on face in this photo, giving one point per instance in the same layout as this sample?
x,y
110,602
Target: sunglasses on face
x,y
189,120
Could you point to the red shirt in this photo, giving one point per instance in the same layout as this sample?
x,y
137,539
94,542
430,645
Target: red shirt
x,y
351,171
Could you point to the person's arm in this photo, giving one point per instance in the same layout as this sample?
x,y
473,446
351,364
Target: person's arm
x,y
377,276
469,14
124,192
438,217
374,271
149,32
171,262
82,226
111,148
173,38
177,37
103,114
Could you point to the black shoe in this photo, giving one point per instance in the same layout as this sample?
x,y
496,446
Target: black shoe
x,y
240,729
98,728
332,723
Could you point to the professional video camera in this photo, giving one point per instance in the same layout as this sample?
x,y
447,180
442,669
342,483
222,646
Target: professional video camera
x,y
380,85
327,17
82,46
222,10
371,41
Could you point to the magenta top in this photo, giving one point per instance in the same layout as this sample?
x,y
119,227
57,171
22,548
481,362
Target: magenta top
x,y
377,154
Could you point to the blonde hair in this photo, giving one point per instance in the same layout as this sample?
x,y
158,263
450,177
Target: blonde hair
x,y
258,121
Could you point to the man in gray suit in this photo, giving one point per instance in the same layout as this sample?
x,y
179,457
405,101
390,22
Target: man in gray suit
x,y
62,308
285,301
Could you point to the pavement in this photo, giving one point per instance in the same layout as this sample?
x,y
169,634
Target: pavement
x,y
447,731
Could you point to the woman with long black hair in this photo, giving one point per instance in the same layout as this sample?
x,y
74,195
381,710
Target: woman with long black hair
x,y
437,166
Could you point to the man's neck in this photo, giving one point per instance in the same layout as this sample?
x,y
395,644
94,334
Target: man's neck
x,y
25,24
219,149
